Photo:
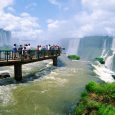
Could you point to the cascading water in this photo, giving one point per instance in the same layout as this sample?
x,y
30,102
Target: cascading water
x,y
5,37
109,62
104,49
106,71
73,46
113,44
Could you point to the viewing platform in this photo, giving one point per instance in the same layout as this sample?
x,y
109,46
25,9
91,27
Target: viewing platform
x,y
7,59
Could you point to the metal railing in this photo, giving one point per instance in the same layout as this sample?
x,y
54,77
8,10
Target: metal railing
x,y
8,55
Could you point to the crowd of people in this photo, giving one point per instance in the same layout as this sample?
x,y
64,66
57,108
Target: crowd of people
x,y
25,51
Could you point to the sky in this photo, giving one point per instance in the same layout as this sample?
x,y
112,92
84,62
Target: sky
x,y
42,20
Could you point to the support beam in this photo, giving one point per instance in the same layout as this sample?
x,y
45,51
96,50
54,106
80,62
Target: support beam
x,y
18,71
55,61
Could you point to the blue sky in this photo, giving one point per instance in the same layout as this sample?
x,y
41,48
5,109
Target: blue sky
x,y
38,20
46,9
42,9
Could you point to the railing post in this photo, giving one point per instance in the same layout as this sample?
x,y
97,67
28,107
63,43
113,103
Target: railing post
x,y
12,54
0,55
7,56
18,71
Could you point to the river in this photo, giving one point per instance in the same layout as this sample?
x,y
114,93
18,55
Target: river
x,y
45,89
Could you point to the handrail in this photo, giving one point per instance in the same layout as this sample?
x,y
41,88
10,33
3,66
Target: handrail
x,y
8,55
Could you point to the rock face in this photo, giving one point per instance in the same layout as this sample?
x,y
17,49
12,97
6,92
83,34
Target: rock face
x,y
113,76
4,75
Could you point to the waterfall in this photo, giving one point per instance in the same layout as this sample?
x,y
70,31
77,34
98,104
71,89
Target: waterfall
x,y
73,46
104,49
109,62
5,37
113,44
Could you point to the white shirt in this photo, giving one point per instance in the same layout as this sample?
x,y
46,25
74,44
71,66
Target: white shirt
x,y
28,48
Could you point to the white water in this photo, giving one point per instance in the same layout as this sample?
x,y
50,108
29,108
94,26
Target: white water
x,y
5,37
6,88
109,62
73,46
113,44
104,49
104,73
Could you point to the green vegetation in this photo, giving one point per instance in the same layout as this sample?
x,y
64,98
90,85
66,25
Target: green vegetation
x,y
98,99
101,60
74,57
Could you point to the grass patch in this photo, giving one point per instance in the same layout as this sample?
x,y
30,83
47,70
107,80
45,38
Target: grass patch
x,y
98,99
101,60
74,57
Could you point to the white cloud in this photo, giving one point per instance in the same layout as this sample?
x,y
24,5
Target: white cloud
x,y
5,3
31,6
95,18
24,22
22,27
99,4
55,2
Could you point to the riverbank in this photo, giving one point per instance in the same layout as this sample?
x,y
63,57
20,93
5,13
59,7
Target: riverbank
x,y
98,99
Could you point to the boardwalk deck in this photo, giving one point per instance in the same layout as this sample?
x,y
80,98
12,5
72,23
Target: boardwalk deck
x,y
6,59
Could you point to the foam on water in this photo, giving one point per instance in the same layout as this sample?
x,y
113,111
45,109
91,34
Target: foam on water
x,y
109,62
6,95
53,76
4,71
44,91
8,84
104,73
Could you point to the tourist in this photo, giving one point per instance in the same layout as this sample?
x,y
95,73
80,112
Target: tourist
x,y
14,52
28,48
38,51
24,52
20,51
49,47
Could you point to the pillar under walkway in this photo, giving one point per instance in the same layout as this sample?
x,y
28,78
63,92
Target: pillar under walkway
x,y
18,71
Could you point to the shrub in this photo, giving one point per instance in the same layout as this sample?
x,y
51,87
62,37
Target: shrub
x,y
84,94
79,109
93,87
74,57
91,105
100,88
101,60
106,110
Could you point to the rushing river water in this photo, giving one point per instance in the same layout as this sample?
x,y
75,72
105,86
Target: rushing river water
x,y
45,90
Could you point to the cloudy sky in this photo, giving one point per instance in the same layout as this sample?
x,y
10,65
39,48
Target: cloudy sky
x,y
36,20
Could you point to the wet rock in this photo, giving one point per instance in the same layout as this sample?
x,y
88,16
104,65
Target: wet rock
x,y
113,76
4,75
